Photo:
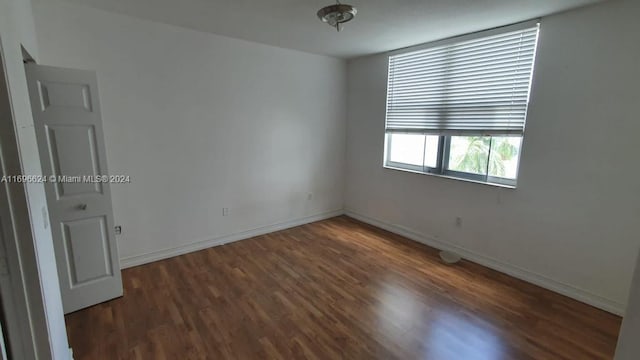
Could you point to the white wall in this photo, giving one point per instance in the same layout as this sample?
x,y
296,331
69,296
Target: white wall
x,y
572,223
42,318
628,345
201,122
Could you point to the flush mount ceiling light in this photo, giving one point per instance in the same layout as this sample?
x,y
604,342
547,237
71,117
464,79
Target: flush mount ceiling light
x,y
337,14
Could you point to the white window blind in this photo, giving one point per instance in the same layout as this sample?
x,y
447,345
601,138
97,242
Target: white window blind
x,y
477,86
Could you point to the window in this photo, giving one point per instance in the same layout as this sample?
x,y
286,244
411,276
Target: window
x,y
458,108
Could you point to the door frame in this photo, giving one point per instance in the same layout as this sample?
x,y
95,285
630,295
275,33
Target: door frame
x,y
21,290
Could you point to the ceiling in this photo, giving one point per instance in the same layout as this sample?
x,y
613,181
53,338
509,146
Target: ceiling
x,y
380,25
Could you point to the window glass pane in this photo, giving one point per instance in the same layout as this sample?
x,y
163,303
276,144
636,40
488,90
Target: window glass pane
x,y
505,154
431,151
407,149
469,154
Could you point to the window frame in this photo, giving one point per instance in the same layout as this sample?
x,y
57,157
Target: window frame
x,y
441,169
444,143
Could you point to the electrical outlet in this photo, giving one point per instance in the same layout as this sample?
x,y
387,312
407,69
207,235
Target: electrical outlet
x,y
225,211
118,230
458,221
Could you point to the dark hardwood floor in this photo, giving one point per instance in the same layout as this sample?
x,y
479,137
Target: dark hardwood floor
x,y
336,289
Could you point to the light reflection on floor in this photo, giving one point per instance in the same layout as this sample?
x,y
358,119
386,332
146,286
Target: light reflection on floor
x,y
441,333
458,331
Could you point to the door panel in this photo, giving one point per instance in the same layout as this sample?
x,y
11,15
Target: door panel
x,y
63,142
66,113
55,94
87,250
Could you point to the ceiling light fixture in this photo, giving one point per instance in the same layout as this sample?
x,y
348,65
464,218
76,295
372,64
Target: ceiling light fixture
x,y
337,14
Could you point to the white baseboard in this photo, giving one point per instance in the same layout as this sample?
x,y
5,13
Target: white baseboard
x,y
509,269
207,243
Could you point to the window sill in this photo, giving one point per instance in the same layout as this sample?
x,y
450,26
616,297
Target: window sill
x,y
451,177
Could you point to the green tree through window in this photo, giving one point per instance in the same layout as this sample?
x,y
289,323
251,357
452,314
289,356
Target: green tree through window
x,y
481,153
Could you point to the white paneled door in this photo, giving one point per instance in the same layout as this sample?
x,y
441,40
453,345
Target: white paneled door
x,y
68,125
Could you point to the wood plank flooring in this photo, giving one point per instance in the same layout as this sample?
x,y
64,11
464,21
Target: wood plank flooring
x,y
335,289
